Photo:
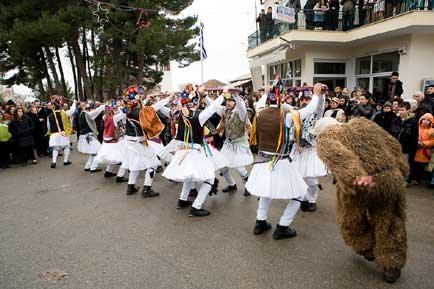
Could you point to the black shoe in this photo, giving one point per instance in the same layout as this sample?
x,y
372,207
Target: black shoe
x,y
391,275
304,206
183,204
121,180
308,207
193,193
246,193
131,190
109,174
53,165
283,232
67,163
229,189
148,192
86,170
198,212
95,170
159,169
261,227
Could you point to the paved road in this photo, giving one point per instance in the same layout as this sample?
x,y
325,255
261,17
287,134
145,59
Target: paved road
x,y
86,226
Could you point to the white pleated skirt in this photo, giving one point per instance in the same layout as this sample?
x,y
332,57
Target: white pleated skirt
x,y
190,165
58,140
111,153
308,163
138,157
157,147
237,154
217,158
282,182
90,147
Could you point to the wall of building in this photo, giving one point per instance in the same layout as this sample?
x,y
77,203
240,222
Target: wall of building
x,y
419,63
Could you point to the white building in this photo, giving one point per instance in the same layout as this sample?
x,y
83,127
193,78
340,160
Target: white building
x,y
364,56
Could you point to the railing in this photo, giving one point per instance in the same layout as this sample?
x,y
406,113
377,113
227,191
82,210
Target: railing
x,y
333,20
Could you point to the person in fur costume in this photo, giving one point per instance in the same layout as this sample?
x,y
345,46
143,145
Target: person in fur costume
x,y
369,166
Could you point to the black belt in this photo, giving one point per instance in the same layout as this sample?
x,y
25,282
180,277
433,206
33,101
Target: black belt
x,y
265,158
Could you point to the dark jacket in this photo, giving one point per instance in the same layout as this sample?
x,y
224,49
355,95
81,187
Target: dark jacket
x,y
398,90
294,4
38,127
22,132
363,111
406,132
262,20
384,119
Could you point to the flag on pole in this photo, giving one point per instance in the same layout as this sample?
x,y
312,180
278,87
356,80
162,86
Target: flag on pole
x,y
203,54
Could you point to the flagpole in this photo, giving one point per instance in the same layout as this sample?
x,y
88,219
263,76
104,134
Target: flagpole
x,y
201,52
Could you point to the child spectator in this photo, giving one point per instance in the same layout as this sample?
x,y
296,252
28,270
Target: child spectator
x,y
424,147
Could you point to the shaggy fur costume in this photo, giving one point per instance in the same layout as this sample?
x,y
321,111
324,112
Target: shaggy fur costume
x,y
371,219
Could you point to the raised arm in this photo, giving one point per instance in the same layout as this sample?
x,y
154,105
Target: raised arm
x,y
260,104
94,113
121,116
210,110
241,108
72,109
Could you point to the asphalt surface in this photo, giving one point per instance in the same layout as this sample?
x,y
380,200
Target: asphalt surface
x,y
84,225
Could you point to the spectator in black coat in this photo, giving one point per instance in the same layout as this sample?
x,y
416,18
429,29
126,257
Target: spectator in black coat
x,y
385,117
406,130
364,108
393,88
21,128
38,130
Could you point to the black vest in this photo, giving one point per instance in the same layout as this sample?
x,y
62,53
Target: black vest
x,y
197,129
82,123
133,127
52,120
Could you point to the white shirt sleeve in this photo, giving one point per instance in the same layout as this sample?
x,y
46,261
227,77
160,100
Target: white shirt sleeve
x,y
94,113
310,109
241,108
160,104
71,110
210,110
119,117
261,102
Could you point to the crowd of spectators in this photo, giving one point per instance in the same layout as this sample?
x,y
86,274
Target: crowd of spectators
x,y
336,14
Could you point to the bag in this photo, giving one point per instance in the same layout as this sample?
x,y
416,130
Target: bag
x,y
150,122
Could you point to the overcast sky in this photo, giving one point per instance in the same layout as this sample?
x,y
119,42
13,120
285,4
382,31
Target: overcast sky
x,y
227,26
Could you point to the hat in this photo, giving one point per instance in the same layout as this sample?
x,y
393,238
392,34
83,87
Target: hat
x,y
335,99
228,96
322,124
387,103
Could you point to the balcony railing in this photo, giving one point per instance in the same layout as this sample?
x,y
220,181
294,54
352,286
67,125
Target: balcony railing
x,y
333,20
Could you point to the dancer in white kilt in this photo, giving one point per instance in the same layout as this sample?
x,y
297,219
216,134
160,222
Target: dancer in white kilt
x,y
192,162
112,149
236,148
88,142
306,159
59,129
273,175
142,124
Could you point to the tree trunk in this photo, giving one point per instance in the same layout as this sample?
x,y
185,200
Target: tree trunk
x,y
62,75
41,89
80,65
58,87
141,61
87,62
45,71
71,58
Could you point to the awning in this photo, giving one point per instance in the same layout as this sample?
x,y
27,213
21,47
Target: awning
x,y
272,57
240,82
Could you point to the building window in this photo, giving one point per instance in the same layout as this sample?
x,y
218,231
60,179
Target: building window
x,y
363,65
372,72
385,62
329,68
290,72
332,73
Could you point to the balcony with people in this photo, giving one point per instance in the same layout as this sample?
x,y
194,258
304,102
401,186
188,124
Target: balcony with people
x,y
329,15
